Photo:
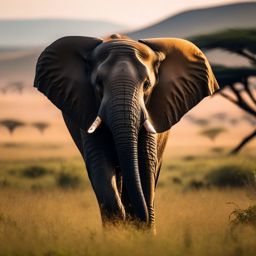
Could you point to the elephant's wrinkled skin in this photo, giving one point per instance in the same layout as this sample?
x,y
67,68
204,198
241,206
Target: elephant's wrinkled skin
x,y
119,98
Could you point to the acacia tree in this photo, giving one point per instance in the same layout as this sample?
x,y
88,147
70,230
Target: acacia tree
x,y
212,132
198,121
234,82
40,126
11,124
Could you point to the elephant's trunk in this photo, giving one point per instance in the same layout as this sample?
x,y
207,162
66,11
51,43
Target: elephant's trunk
x,y
124,122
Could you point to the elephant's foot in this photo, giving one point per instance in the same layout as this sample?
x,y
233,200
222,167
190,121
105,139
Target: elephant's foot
x,y
112,216
128,223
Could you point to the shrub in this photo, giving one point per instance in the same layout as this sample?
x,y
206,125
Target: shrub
x,y
68,181
34,172
196,185
230,176
189,158
176,180
217,150
4,183
246,216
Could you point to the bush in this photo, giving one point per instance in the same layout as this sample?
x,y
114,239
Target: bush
x,y
189,158
176,180
68,181
34,172
218,150
246,216
196,185
230,176
4,183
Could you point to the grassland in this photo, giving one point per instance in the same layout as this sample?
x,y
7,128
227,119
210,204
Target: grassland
x,y
47,207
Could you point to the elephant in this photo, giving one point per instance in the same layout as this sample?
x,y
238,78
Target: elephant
x,y
119,99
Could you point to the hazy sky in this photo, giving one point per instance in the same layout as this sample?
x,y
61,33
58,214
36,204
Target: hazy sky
x,y
134,13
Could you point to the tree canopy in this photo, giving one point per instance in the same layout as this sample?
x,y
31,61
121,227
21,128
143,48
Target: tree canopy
x,y
11,124
230,75
239,41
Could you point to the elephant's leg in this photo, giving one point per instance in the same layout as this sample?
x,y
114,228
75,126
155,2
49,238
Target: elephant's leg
x,y
99,157
119,180
123,193
130,214
148,166
158,172
161,144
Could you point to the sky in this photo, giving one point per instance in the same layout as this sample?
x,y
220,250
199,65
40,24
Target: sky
x,y
132,13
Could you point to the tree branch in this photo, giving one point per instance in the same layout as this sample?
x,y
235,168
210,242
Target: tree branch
x,y
249,92
246,54
241,101
241,105
228,97
243,143
249,54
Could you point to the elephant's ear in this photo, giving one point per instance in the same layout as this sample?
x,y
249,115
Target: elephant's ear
x,y
62,74
185,78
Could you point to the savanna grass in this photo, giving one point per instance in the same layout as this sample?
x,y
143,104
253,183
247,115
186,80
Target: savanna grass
x,y
61,222
37,217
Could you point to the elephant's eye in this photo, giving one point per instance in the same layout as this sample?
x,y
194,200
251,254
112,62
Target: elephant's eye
x,y
99,84
146,85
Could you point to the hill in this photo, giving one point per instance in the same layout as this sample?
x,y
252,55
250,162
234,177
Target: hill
x,y
200,21
34,33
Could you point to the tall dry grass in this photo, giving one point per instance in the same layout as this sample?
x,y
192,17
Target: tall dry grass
x,y
68,223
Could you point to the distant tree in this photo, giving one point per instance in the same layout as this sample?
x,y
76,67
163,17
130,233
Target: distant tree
x,y
40,126
223,117
11,124
213,132
220,116
201,121
198,121
234,81
234,121
13,86
190,118
17,86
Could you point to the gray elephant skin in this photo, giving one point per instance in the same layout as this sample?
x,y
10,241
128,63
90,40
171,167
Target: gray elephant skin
x,y
119,99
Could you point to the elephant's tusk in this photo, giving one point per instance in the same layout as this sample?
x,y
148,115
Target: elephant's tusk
x,y
95,125
149,127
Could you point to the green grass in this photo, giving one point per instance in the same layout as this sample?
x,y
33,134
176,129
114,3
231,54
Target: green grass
x,y
186,169
191,168
19,174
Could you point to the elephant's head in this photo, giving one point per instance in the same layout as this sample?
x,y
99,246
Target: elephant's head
x,y
125,84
